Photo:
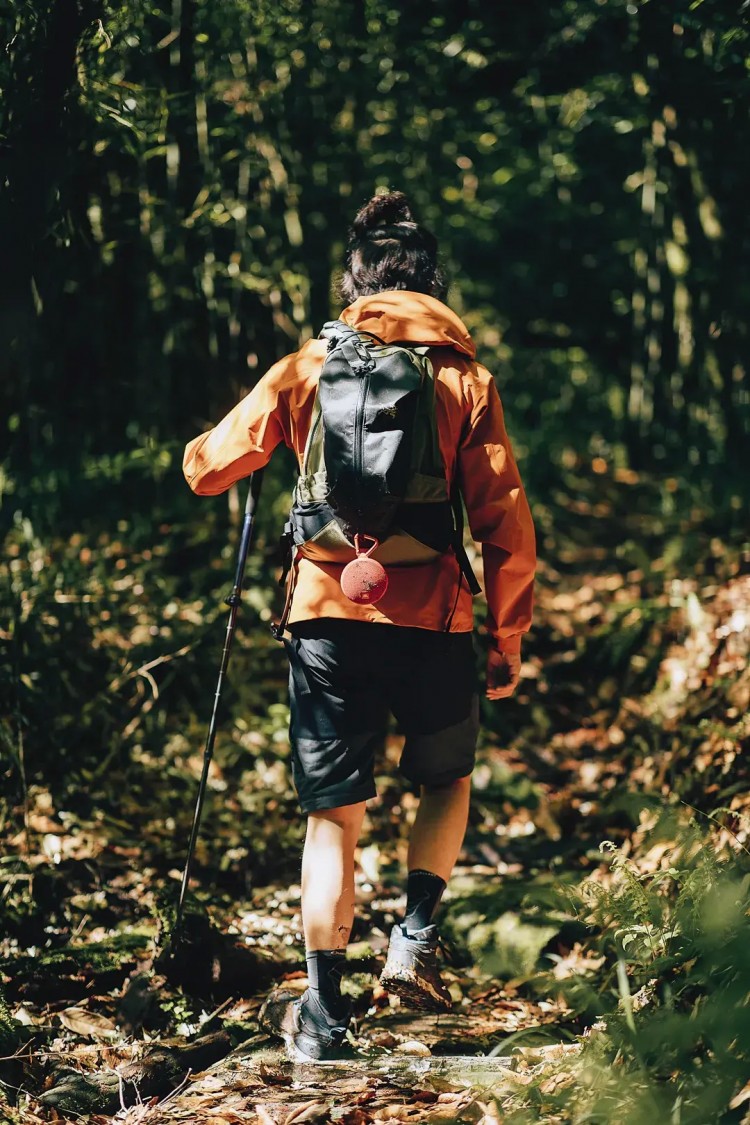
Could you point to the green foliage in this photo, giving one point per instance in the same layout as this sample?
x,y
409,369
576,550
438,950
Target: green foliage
x,y
112,647
185,227
507,947
673,1032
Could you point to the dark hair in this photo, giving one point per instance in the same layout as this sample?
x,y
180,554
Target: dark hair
x,y
387,249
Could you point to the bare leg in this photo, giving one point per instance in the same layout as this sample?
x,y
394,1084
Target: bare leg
x,y
439,827
328,876
411,969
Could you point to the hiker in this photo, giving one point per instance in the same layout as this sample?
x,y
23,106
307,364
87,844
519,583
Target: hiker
x,y
404,644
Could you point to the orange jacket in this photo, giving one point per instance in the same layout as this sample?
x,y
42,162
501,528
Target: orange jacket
x,y
472,440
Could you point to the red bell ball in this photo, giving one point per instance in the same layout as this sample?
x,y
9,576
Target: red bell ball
x,y
364,580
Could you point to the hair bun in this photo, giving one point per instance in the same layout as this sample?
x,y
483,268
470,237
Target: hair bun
x,y
382,210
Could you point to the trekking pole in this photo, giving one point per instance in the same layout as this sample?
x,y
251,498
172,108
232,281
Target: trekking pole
x,y
233,601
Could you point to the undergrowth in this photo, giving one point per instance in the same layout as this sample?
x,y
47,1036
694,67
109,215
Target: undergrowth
x,y
113,640
672,1039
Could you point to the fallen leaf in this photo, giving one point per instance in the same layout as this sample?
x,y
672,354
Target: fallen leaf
x,y
397,1112
383,1038
741,1097
425,1096
273,1077
264,1117
83,1022
490,1114
311,1111
354,1116
209,1084
414,1047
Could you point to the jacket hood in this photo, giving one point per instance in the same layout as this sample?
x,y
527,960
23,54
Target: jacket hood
x,y
400,316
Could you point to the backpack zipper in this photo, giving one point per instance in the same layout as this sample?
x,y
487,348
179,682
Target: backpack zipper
x,y
364,386
309,443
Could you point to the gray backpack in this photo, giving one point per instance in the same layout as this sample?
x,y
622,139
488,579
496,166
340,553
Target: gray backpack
x,y
372,474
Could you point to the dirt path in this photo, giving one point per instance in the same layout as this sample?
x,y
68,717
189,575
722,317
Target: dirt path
x,y
409,1066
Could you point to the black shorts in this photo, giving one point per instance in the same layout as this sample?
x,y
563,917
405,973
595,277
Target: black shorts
x,y
345,677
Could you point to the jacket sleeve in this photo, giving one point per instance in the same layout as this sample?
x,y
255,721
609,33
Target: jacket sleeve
x,y
245,439
499,516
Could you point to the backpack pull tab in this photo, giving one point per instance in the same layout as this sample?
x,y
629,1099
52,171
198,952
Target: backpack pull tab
x,y
364,580
361,552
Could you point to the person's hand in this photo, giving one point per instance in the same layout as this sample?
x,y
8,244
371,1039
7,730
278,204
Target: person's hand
x,y
503,673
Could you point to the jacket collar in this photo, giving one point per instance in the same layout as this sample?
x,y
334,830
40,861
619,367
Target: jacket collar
x,y
400,316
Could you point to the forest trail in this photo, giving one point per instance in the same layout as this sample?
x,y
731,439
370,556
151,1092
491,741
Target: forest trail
x,y
629,715
407,1065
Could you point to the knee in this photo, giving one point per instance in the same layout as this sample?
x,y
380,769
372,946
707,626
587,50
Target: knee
x,y
346,816
455,785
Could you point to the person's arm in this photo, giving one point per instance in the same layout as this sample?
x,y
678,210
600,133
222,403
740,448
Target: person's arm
x,y
500,519
245,439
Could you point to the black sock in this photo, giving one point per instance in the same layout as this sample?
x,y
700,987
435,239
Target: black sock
x,y
324,970
423,891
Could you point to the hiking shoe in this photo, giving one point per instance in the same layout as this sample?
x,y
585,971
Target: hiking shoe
x,y
309,1033
411,970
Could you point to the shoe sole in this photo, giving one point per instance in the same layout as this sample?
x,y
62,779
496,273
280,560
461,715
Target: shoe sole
x,y
413,994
